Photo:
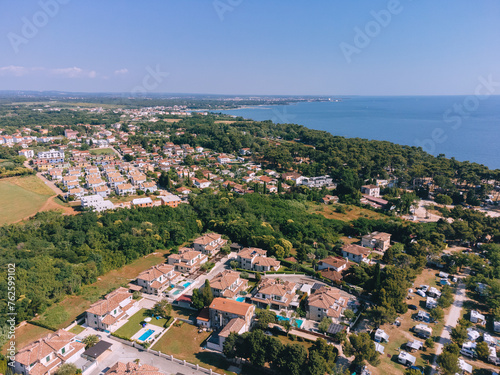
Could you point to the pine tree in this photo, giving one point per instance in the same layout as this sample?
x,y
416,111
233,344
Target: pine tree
x,y
376,277
207,295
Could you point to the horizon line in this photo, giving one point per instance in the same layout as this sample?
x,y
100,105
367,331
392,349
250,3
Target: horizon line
x,y
152,94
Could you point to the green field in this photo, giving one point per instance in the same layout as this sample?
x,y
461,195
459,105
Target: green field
x,y
21,197
102,151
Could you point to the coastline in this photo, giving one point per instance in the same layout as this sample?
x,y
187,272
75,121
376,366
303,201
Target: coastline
x,y
410,121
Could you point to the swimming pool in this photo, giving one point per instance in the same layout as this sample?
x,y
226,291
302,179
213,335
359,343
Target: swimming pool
x,y
240,299
186,284
298,322
176,292
145,335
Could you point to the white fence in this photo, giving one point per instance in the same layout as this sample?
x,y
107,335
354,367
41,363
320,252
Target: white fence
x,y
166,356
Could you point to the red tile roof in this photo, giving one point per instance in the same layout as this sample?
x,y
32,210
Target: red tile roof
x,y
230,306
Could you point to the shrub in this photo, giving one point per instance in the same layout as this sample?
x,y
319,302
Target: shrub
x,y
429,343
168,322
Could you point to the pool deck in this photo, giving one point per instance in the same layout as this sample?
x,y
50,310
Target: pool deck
x,y
298,322
157,330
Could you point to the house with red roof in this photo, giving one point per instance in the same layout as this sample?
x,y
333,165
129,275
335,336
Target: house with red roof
x,y
255,259
114,307
356,253
275,293
156,279
133,368
326,302
209,244
46,355
187,260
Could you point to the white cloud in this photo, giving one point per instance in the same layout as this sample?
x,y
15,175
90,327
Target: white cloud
x,y
17,71
74,72
121,71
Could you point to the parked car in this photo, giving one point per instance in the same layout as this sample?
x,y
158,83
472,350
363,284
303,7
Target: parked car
x,y
421,293
412,307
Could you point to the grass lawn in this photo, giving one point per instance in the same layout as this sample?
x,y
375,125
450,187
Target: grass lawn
x,y
77,329
427,277
351,212
285,340
73,306
186,343
101,151
179,312
133,325
21,197
57,316
27,334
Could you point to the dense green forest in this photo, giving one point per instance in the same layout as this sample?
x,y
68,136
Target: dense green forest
x,y
55,255
11,164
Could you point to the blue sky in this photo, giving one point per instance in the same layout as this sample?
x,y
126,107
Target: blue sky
x,y
250,46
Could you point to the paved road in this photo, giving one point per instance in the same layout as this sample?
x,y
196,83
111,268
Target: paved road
x,y
220,266
452,319
299,278
125,353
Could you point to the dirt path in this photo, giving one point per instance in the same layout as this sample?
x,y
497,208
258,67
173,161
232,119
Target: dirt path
x,y
451,320
51,205
50,184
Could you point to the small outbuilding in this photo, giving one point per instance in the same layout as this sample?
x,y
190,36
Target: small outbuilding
x,y
97,352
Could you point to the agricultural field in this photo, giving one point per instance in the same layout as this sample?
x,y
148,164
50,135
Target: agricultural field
x,y
21,197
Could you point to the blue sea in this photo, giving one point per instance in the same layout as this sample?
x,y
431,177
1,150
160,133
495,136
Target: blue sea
x,y
463,127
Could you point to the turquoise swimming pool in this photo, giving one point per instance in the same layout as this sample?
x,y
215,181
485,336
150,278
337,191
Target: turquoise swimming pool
x,y
176,292
298,322
240,299
186,284
146,335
